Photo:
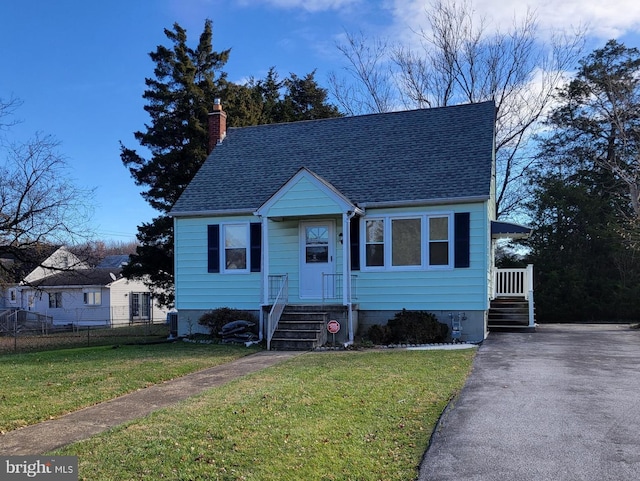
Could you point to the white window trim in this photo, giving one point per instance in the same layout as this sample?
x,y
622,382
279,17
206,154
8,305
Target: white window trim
x,y
450,241
93,297
223,248
53,295
424,242
13,295
389,252
385,243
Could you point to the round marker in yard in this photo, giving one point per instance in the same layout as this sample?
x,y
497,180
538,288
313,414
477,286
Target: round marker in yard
x,y
333,326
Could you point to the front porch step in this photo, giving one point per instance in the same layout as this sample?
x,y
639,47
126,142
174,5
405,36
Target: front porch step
x,y
512,328
300,329
509,314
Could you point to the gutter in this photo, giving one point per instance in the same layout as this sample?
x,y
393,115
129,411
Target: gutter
x,y
360,206
442,200
207,213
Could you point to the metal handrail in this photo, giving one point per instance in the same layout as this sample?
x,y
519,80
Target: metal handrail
x,y
280,302
13,319
332,287
5,320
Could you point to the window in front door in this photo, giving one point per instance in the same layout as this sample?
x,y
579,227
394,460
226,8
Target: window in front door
x,y
317,244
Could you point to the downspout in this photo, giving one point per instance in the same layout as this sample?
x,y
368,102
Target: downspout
x,y
346,270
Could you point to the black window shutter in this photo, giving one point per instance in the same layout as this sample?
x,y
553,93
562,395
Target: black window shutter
x,y
213,248
462,244
255,235
354,227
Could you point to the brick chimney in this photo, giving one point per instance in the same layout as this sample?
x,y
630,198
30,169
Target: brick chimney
x,y
217,125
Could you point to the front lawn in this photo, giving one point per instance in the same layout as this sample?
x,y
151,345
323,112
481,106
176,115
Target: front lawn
x,y
35,387
321,416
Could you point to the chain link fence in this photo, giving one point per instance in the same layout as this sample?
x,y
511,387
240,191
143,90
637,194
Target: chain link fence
x,y
41,335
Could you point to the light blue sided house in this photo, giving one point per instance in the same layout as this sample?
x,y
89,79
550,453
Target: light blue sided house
x,y
350,220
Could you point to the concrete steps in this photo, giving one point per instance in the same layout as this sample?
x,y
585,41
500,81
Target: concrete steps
x,y
300,329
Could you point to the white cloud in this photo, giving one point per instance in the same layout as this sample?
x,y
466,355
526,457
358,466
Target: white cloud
x,y
309,5
602,19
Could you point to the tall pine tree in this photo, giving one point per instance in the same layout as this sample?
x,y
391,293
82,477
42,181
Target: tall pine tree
x,y
179,99
272,100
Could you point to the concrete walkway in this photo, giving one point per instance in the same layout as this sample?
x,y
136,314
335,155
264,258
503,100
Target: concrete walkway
x,y
49,435
560,404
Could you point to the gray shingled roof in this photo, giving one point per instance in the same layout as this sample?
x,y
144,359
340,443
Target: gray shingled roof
x,y
17,263
407,156
79,277
115,260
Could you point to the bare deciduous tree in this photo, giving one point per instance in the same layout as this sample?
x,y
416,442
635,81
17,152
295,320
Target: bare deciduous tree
x,y
605,96
7,109
369,87
460,60
39,205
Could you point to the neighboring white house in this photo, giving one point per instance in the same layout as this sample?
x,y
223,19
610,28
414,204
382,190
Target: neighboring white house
x,y
68,291
30,265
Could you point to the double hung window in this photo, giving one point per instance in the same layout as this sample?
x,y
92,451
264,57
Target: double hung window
x,y
55,300
374,250
236,241
92,297
234,247
439,241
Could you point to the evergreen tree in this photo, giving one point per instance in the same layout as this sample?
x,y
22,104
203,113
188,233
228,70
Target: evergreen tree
x,y
255,102
587,267
306,100
270,92
272,100
179,99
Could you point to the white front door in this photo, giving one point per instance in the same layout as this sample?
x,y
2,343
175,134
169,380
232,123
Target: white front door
x,y
317,257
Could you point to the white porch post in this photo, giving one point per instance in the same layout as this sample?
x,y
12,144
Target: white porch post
x,y
529,293
265,260
494,281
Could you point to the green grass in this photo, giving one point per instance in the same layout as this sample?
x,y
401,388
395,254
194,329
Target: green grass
x,y
35,387
321,416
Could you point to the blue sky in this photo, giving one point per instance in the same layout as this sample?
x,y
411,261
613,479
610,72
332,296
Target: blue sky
x,y
79,66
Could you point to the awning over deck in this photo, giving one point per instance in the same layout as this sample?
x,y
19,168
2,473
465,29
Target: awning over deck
x,y
504,230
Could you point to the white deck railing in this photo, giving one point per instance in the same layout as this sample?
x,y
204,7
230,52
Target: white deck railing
x,y
513,282
279,286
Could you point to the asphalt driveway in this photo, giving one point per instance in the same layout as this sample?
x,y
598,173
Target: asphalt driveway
x,y
559,404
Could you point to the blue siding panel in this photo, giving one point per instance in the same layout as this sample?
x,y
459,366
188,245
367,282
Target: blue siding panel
x,y
304,199
198,289
438,289
462,289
